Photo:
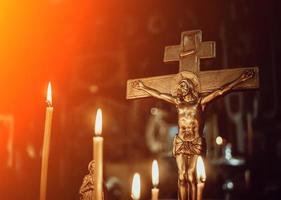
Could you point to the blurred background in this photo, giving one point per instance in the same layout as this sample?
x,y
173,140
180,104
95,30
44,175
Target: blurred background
x,y
88,49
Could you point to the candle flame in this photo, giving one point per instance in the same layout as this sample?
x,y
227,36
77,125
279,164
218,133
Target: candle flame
x,y
200,170
136,187
49,94
155,173
98,122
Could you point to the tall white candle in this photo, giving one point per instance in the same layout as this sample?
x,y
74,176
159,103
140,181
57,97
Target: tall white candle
x,y
46,144
98,157
201,178
155,180
136,187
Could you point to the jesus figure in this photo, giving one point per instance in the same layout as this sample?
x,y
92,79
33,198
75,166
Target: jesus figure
x,y
189,143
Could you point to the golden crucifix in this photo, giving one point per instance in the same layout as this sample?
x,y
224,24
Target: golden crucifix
x,y
190,91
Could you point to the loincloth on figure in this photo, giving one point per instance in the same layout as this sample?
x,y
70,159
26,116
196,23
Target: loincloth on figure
x,y
193,147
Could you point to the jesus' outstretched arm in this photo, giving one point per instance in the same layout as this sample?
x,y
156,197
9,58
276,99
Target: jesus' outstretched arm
x,y
155,93
247,74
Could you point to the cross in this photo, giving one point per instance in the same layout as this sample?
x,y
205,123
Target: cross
x,y
189,53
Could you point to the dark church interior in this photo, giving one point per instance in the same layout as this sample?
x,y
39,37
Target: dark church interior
x,y
88,50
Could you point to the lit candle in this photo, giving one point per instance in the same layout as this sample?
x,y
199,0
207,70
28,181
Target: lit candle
x,y
46,144
155,180
98,157
136,187
201,178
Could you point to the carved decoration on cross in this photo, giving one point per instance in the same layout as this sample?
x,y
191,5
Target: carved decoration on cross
x,y
189,53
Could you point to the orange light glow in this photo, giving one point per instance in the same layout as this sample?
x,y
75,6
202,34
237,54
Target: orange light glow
x,y
49,94
155,173
200,170
136,187
98,123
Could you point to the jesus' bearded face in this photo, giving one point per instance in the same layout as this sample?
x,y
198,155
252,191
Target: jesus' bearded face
x,y
184,88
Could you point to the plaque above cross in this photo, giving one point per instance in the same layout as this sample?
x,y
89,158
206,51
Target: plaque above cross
x,y
189,53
